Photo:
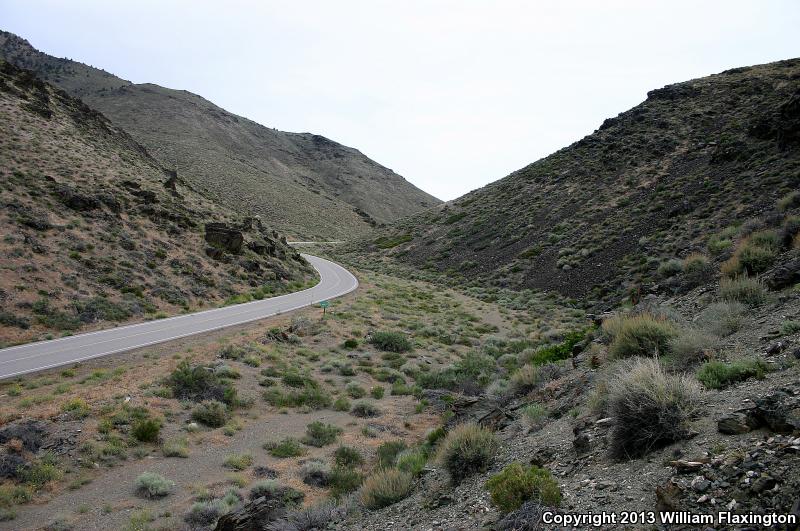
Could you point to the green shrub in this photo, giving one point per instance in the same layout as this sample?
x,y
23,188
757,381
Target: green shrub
x,y
199,383
670,268
355,390
350,344
152,485
376,392
288,447
343,480
315,473
238,461
466,450
385,487
517,484
204,514
347,457
311,396
319,434
146,430
412,461
41,472
558,351
211,413
716,374
748,291
365,409
76,408
790,327
390,341
272,490
341,404
651,408
388,451
641,335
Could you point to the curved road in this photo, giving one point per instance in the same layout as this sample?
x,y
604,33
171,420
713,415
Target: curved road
x,y
334,282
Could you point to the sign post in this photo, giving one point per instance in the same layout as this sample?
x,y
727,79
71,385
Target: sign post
x,y
324,305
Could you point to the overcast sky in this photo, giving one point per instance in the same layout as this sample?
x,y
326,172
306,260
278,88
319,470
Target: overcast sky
x,y
450,94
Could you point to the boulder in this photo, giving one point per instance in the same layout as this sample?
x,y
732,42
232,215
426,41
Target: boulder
x,y
255,515
31,432
735,423
784,275
223,237
77,200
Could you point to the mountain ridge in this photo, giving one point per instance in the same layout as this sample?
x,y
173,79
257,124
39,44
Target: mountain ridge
x,y
302,184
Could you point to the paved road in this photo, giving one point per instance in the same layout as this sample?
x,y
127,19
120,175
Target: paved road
x,y
335,281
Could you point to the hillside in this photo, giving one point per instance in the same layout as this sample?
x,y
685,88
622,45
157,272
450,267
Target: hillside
x,y
676,175
96,230
303,184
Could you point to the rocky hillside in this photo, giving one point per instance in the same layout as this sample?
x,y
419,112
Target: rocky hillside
x,y
303,184
95,229
677,175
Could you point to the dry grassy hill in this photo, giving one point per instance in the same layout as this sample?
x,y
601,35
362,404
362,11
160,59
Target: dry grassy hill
x,y
94,229
302,184
679,174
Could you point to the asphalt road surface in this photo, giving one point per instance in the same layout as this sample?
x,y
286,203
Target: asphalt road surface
x,y
335,281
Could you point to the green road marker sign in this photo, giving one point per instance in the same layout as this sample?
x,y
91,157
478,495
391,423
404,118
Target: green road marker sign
x,y
324,305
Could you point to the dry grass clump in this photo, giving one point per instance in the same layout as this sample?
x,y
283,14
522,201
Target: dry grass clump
x,y
745,290
638,335
651,408
385,487
466,450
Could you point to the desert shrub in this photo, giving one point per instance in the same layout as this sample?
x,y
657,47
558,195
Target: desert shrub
x,y
238,461
695,263
199,383
146,430
204,514
272,490
347,457
754,255
789,201
311,396
317,516
516,484
212,413
388,451
716,374
319,434
690,345
152,485
287,447
341,404
670,268
650,408
175,448
41,472
315,473
350,344
722,318
376,392
390,341
76,408
343,480
498,388
534,415
748,291
790,230
355,390
365,409
467,449
412,461
385,487
790,327
558,351
641,335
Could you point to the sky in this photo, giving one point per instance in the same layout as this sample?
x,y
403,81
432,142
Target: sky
x,y
450,94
